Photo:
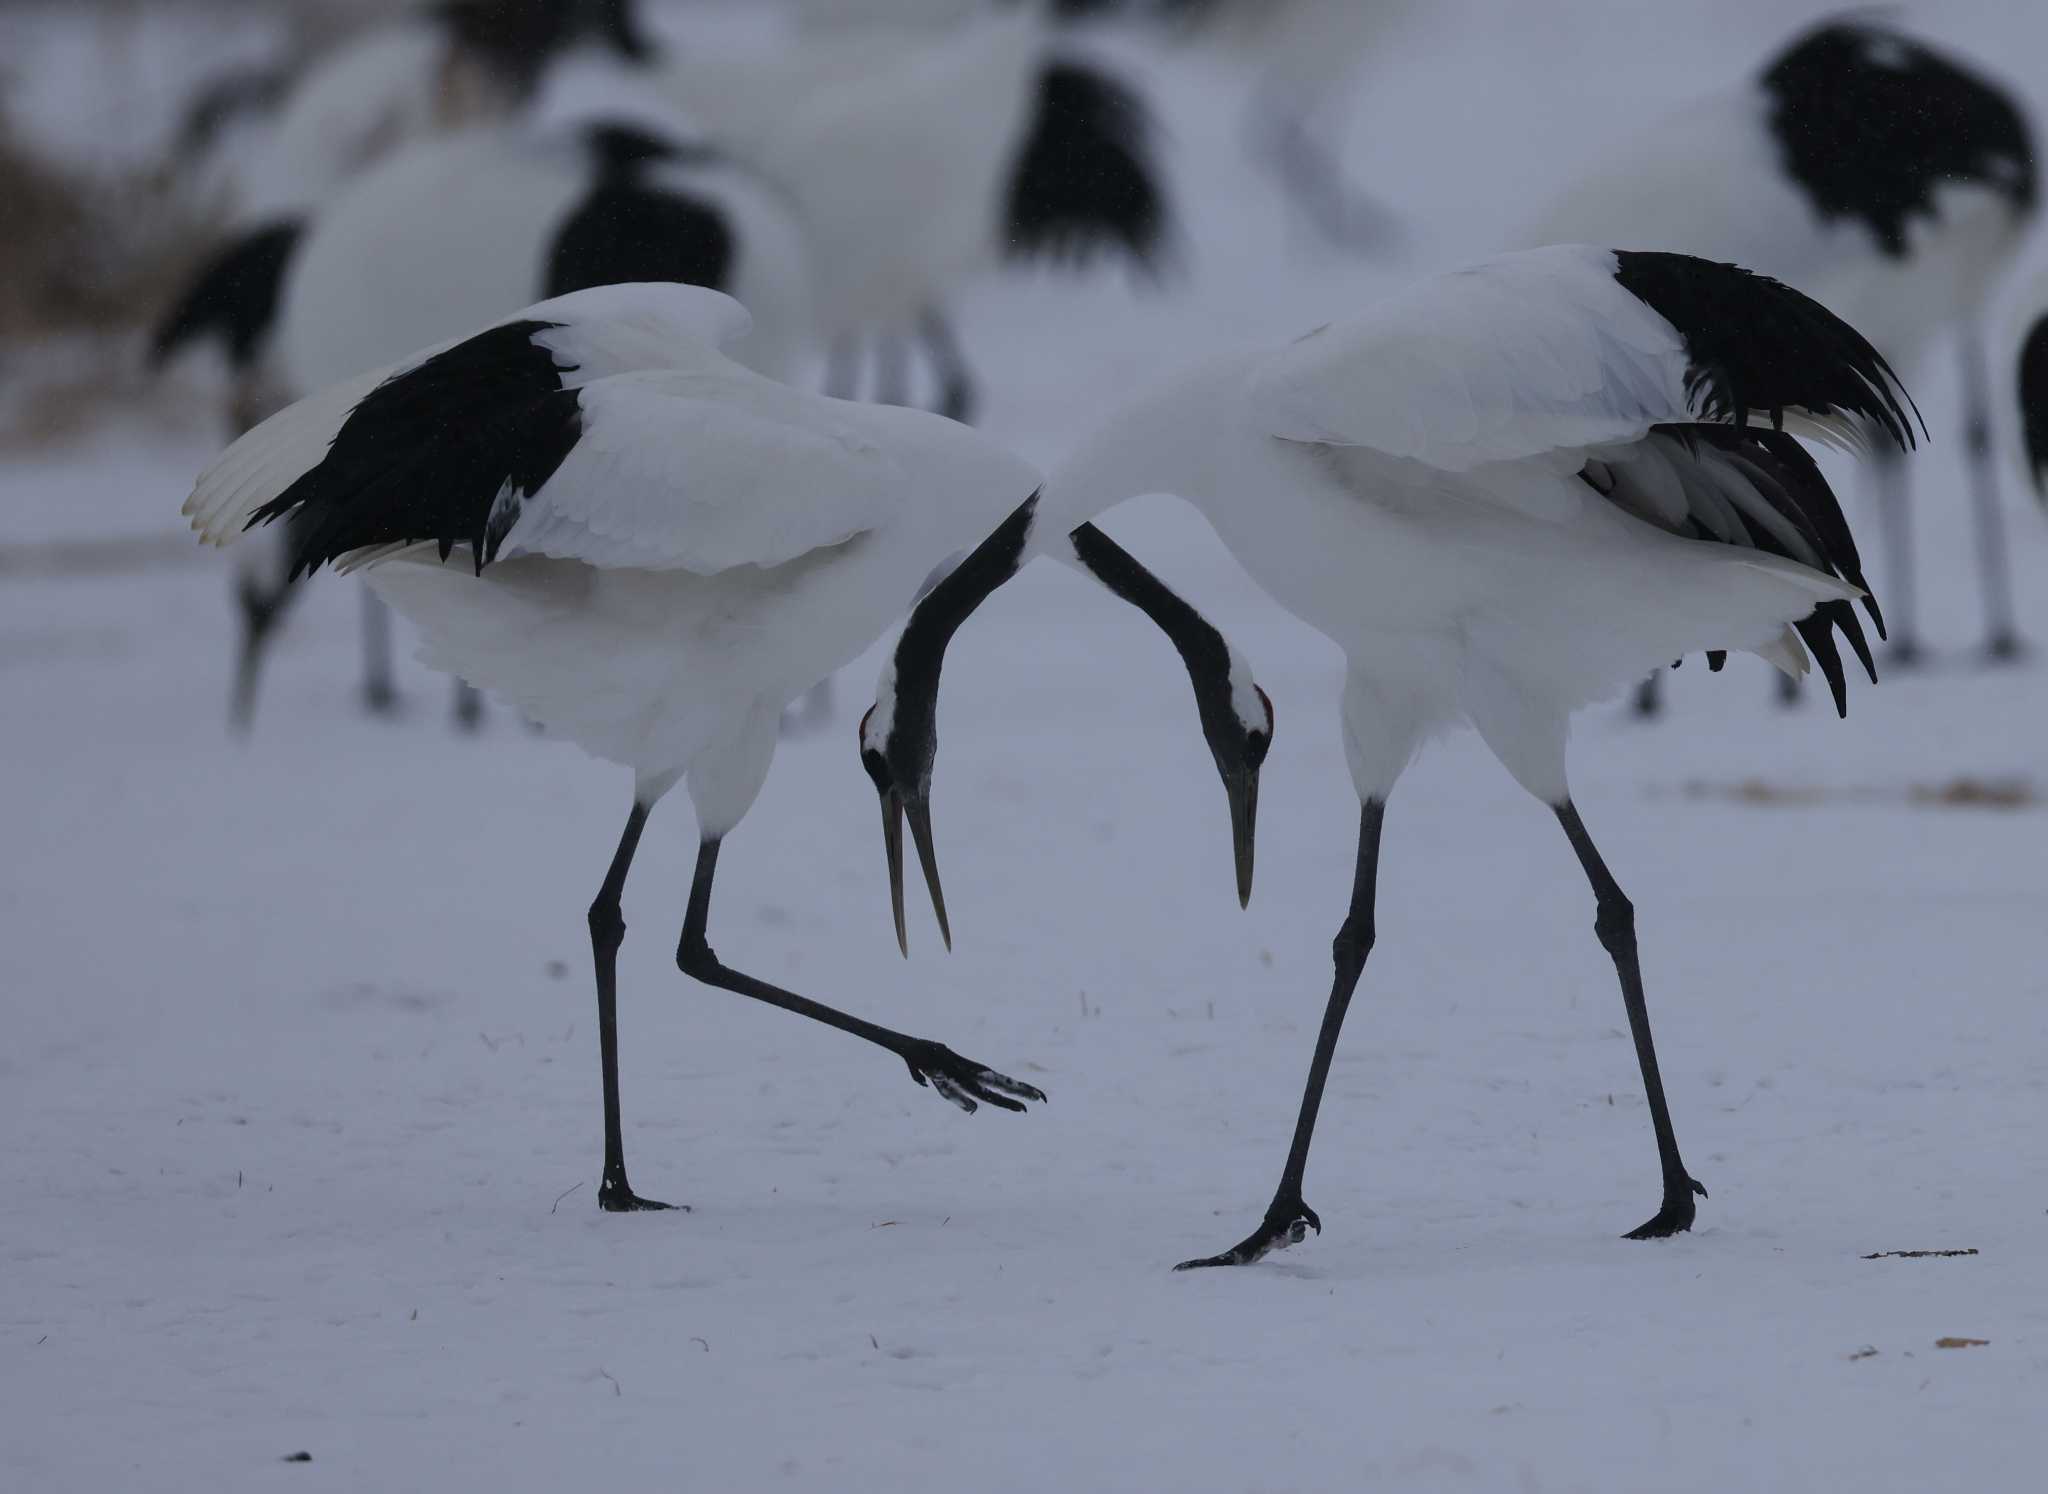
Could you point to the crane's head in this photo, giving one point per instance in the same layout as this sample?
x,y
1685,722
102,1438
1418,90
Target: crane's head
x,y
899,763
899,737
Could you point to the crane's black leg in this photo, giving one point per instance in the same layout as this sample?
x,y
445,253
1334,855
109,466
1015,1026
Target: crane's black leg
x,y
957,396
469,707
1288,1219
380,694
1615,923
960,1080
842,367
262,607
1901,605
607,933
2001,633
1288,138
892,369
1649,701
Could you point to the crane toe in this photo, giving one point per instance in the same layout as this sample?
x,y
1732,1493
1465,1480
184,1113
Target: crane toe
x,y
618,1198
1674,1218
1286,1224
965,1083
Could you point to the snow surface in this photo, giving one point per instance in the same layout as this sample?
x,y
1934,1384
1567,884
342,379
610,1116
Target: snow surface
x,y
298,1080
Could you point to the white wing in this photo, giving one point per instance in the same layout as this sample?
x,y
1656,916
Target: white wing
x,y
1518,356
604,331
703,471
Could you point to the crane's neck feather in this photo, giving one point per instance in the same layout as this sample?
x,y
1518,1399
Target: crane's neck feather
x,y
1176,439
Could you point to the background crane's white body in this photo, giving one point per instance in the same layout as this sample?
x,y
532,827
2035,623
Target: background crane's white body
x,y
1709,180
892,146
453,233
391,85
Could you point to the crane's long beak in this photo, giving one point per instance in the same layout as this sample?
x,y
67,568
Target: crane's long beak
x,y
895,808
919,811
1242,785
892,848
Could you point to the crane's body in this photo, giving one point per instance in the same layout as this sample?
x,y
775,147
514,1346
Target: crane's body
x,y
592,509
453,232
1504,493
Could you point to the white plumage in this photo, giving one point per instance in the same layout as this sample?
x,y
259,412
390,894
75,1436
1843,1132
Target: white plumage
x,y
593,510
1890,182
1507,492
437,68
453,232
689,468
906,152
450,233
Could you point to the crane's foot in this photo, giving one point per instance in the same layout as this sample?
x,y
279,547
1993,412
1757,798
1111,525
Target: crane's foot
x,y
2004,647
615,1196
1286,1224
469,709
965,1083
380,698
1648,704
1675,1218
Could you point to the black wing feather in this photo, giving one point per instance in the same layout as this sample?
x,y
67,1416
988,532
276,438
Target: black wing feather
x,y
1088,181
234,297
1754,343
429,453
1870,123
1775,468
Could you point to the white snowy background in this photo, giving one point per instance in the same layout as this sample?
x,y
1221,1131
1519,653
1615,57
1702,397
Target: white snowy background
x,y
299,1121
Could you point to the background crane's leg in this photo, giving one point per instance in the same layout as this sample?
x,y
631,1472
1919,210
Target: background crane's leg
x,y
1615,922
263,593
842,367
380,694
1895,516
1994,564
1288,1219
892,369
958,396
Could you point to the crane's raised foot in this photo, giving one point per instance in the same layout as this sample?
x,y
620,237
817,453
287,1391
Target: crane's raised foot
x,y
1286,1224
1675,1218
615,1196
963,1082
2004,647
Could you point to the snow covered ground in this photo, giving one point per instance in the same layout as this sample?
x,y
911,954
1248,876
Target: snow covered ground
x,y
297,1074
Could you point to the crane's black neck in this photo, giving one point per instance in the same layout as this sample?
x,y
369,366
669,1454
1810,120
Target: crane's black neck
x,y
1201,646
921,650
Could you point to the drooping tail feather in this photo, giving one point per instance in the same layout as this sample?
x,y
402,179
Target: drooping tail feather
x,y
234,297
1088,181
